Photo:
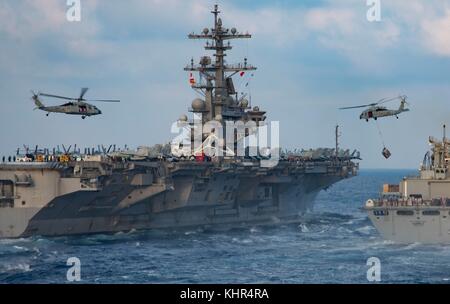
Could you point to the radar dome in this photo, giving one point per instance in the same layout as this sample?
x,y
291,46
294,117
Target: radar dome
x,y
183,117
256,109
233,31
244,103
198,105
205,31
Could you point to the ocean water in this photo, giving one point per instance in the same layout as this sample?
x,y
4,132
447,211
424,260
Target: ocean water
x,y
331,245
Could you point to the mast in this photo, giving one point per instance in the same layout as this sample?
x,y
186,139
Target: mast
x,y
337,141
215,80
444,144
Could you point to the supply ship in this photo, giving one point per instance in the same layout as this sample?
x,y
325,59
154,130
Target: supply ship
x,y
418,209
172,186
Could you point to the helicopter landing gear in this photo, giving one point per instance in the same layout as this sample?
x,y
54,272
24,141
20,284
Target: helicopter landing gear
x,y
83,117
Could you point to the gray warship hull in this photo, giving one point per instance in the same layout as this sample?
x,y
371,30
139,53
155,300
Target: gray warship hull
x,y
412,224
156,195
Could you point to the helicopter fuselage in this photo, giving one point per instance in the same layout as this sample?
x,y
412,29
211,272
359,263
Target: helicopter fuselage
x,y
73,108
378,112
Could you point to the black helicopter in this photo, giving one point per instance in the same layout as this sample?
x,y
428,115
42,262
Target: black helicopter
x,y
75,106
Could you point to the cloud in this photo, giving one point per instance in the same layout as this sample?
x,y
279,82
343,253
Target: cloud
x,y
424,25
437,34
32,22
325,19
28,19
333,24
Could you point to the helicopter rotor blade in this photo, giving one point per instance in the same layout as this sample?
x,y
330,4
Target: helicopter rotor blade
x,y
379,102
361,106
104,100
83,91
56,96
384,100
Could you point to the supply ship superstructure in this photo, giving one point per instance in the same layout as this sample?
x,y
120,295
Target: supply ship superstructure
x,y
177,185
418,209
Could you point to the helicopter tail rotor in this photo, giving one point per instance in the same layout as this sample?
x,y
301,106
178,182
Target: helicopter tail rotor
x,y
36,100
403,99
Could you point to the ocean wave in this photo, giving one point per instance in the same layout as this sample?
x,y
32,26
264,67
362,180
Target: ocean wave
x,y
254,230
244,241
303,228
15,241
366,230
21,267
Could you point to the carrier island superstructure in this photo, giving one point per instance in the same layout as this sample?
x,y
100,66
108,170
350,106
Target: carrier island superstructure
x,y
418,209
169,186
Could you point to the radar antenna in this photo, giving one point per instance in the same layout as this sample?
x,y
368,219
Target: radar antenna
x,y
218,87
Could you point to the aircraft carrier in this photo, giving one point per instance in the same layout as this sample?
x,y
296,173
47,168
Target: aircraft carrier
x,y
172,186
418,209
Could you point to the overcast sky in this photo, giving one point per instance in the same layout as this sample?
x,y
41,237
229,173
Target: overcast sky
x,y
312,57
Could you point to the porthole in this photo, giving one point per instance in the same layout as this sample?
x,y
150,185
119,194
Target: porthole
x,y
405,212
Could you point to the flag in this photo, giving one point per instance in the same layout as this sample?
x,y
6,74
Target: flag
x,y
242,73
191,79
